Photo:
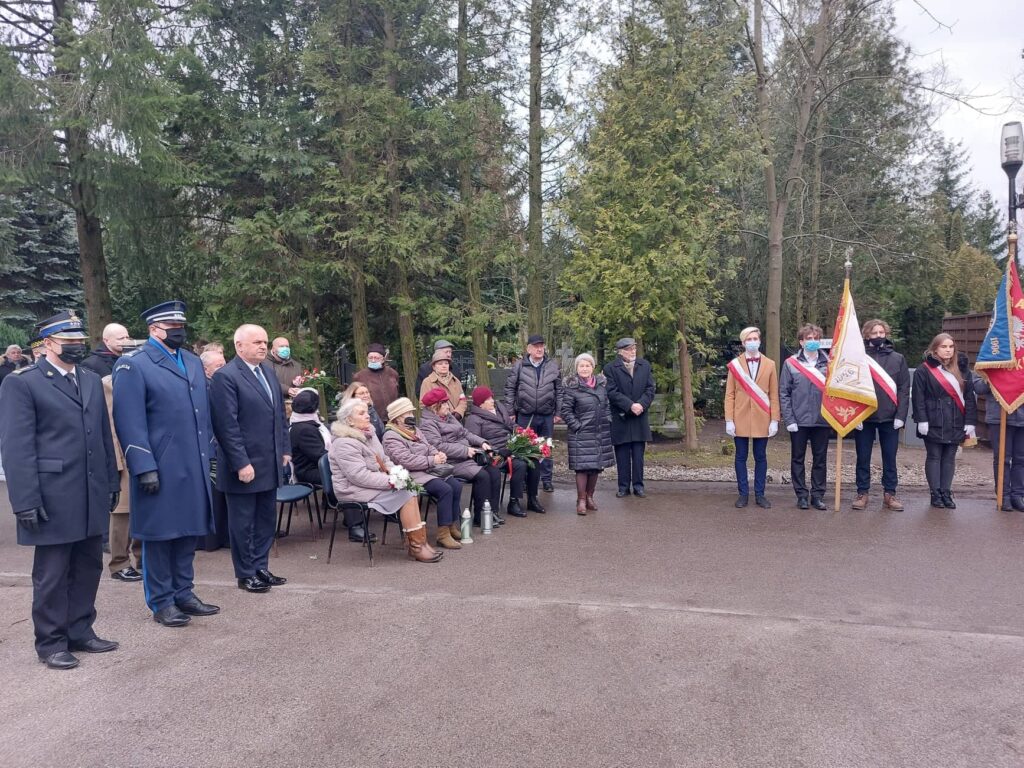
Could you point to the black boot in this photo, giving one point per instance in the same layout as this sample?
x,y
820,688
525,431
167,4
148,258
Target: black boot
x,y
533,504
1007,505
515,509
947,499
802,502
937,501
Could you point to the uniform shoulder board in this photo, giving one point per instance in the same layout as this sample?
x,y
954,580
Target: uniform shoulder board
x,y
26,368
132,352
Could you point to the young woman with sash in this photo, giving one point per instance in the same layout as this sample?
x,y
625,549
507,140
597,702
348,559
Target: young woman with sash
x,y
752,413
801,386
945,411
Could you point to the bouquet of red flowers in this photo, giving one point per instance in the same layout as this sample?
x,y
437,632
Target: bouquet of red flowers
x,y
527,445
315,378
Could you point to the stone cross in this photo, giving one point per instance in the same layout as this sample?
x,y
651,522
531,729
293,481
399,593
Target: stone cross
x,y
567,355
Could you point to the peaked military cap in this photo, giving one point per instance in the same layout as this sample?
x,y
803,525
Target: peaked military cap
x,y
64,325
169,312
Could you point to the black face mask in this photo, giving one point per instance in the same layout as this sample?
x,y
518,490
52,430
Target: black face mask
x,y
174,338
877,342
410,422
73,352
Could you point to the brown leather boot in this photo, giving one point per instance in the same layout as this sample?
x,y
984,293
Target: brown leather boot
x,y
591,487
581,504
456,530
445,538
417,547
591,505
861,502
890,502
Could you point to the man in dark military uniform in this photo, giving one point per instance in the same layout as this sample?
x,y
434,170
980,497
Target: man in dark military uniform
x,y
162,417
62,482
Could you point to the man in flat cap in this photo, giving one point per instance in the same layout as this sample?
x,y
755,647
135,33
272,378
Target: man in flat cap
x,y
532,390
62,482
630,394
378,377
162,416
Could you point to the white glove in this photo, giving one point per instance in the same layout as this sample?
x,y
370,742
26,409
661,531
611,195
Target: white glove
x,y
922,427
730,428
773,428
897,424
971,431
792,428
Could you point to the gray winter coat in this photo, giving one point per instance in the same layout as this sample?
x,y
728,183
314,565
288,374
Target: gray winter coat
x,y
586,413
526,392
495,428
415,455
992,407
799,398
450,436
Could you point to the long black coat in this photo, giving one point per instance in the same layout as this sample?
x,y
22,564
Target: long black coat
x,y
623,391
933,405
57,452
250,428
585,412
307,448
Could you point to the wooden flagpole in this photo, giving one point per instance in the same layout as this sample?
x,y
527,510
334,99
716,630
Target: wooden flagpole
x,y
839,470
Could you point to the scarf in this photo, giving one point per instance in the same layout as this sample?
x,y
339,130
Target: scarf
x,y
325,433
407,435
628,365
591,382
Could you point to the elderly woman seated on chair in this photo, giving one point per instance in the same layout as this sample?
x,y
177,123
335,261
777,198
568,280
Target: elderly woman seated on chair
x,y
405,444
359,471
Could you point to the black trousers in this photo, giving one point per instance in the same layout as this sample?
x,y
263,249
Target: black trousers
x,y
65,578
523,475
252,519
486,487
818,439
629,464
168,571
1013,460
940,464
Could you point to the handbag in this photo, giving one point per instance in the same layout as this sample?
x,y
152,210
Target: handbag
x,y
441,470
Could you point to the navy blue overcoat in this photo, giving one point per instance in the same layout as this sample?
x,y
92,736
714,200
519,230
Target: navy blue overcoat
x,y
162,417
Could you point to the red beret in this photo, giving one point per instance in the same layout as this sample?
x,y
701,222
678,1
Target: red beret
x,y
434,396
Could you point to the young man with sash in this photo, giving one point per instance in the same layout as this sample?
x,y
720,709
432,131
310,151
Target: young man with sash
x,y
752,413
946,412
892,387
801,386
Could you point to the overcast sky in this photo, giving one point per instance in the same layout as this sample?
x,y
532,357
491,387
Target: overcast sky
x,y
982,51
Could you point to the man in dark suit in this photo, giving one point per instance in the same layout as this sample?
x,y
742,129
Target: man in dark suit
x,y
62,481
252,449
162,417
630,394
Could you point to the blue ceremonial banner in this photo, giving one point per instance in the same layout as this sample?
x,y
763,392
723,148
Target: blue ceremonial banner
x,y
1001,357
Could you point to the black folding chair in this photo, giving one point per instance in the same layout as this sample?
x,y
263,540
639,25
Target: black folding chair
x,y
339,508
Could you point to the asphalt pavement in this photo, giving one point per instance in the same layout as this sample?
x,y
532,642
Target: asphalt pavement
x,y
668,631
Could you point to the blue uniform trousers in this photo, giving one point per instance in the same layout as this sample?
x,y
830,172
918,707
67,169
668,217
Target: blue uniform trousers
x,y
65,578
629,465
760,464
252,520
168,572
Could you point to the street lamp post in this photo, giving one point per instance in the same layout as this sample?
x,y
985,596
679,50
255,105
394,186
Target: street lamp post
x,y
1011,154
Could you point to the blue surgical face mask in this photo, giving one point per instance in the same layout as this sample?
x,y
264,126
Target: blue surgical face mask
x,y
812,345
374,366
284,352
751,346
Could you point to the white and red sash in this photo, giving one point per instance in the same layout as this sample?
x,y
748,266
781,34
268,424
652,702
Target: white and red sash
x,y
949,384
816,377
883,380
745,380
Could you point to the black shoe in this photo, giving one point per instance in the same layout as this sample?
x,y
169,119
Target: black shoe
x,y
533,504
947,499
548,487
741,501
196,607
497,519
127,574
802,503
253,584
1017,502
60,660
763,502
937,501
619,494
818,504
94,645
639,493
355,533
268,578
1007,505
515,509
171,616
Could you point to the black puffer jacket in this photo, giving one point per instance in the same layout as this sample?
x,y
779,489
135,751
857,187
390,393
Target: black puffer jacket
x,y
586,413
495,428
896,366
526,392
934,405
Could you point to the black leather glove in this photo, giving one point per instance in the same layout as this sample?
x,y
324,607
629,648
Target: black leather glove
x,y
115,497
149,482
30,519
